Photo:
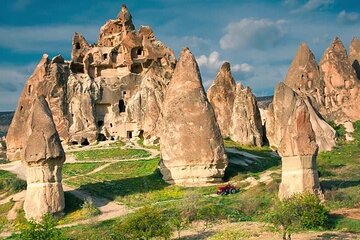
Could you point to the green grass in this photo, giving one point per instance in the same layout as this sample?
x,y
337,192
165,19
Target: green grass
x,y
9,183
110,153
102,230
117,144
4,209
339,171
339,223
75,169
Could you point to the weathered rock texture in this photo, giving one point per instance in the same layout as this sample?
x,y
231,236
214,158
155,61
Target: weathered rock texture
x,y
332,87
43,158
192,150
354,55
342,88
236,109
297,147
109,90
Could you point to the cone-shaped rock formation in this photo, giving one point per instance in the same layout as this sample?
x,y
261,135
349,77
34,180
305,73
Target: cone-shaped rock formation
x,y
236,109
43,159
192,150
298,147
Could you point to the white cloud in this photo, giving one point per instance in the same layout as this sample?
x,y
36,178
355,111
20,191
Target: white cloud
x,y
313,4
213,62
43,38
254,33
348,17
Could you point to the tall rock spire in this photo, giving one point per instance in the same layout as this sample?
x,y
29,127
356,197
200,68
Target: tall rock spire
x,y
192,149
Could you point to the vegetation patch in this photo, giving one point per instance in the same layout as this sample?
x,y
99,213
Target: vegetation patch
x,y
75,169
110,153
10,184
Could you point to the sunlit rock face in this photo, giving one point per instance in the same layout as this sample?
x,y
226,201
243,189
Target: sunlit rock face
x,y
110,89
236,109
43,159
297,142
192,149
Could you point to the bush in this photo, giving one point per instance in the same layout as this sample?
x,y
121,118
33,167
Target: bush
x,y
340,130
299,212
146,223
44,230
89,209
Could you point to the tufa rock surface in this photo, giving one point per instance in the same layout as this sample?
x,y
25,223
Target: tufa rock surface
x,y
43,157
192,149
298,148
246,125
221,95
341,86
236,109
354,55
109,90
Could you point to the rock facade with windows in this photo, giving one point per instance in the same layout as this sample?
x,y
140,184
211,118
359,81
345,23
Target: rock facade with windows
x,y
110,89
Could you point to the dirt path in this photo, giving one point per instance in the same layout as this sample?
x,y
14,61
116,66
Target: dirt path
x,y
353,213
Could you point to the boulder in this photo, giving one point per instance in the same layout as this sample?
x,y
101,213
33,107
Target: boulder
x,y
192,149
43,157
236,109
297,148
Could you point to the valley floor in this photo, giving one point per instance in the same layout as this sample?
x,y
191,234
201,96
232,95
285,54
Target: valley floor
x,y
119,178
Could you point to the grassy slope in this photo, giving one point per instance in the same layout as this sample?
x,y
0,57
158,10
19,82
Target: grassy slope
x,y
110,153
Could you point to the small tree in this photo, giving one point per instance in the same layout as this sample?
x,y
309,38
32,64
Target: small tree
x,y
301,211
44,230
146,223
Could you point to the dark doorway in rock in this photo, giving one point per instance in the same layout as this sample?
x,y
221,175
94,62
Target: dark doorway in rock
x,y
139,52
141,134
85,142
101,137
100,123
77,46
105,56
74,143
111,125
122,106
136,68
129,134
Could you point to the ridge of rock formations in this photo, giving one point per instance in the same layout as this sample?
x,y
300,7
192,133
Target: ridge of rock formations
x,y
191,144
297,148
111,89
342,99
332,86
236,109
43,159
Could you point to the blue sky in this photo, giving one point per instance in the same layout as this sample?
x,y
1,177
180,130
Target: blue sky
x,y
259,38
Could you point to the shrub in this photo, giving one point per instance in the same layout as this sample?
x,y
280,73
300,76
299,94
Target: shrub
x,y
340,130
44,230
145,223
89,209
301,211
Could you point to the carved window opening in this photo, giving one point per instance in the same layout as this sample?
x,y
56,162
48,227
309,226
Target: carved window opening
x,y
77,46
105,56
101,137
129,134
111,125
122,106
85,142
30,89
